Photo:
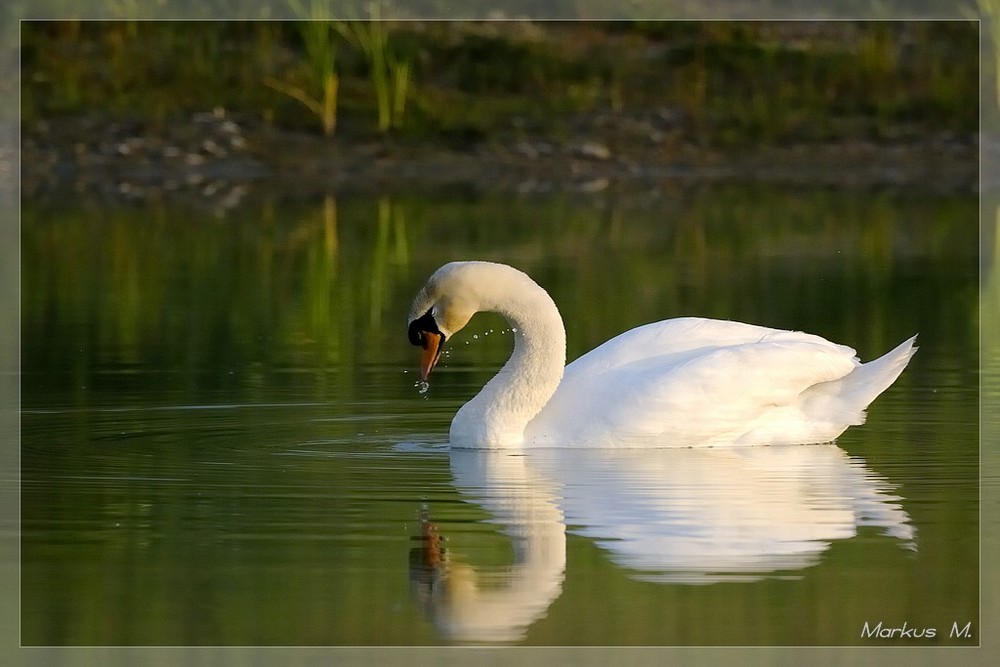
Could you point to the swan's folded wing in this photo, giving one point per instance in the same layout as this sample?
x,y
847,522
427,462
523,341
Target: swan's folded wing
x,y
678,336
702,396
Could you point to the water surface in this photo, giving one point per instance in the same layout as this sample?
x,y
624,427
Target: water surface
x,y
223,442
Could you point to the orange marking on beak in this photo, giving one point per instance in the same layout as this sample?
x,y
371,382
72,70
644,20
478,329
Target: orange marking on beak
x,y
432,350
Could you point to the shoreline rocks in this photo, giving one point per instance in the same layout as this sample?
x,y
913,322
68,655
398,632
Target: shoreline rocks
x,y
220,156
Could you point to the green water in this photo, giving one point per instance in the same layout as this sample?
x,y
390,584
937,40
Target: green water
x,y
223,444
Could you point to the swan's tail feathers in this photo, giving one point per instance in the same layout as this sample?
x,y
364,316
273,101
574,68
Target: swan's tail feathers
x,y
867,381
841,403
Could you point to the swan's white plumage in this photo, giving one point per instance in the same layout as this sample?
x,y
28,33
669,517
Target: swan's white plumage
x,y
683,382
691,381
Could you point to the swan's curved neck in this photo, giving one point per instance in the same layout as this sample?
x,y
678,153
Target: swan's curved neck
x,y
496,417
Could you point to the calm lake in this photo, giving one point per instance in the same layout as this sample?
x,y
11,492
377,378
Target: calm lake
x,y
223,442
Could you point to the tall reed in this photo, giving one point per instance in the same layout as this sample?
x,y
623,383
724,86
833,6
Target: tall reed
x,y
390,76
319,40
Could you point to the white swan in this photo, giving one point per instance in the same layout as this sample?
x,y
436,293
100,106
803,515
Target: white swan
x,y
684,382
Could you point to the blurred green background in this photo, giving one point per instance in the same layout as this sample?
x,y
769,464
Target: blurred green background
x,y
734,83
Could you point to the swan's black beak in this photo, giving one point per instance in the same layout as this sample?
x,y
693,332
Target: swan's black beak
x,y
424,333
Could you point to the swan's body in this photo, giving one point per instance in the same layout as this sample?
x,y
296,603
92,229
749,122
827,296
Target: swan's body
x,y
683,382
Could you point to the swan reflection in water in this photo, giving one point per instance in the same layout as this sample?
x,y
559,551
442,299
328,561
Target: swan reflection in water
x,y
681,516
498,605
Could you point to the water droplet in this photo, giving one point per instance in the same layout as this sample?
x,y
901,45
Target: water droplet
x,y
475,336
422,386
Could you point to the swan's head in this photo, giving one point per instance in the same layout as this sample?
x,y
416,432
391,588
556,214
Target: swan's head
x,y
442,307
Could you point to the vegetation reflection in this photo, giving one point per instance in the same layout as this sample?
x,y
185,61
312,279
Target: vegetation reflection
x,y
325,284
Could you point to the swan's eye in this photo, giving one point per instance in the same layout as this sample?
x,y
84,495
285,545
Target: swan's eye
x,y
424,323
417,338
